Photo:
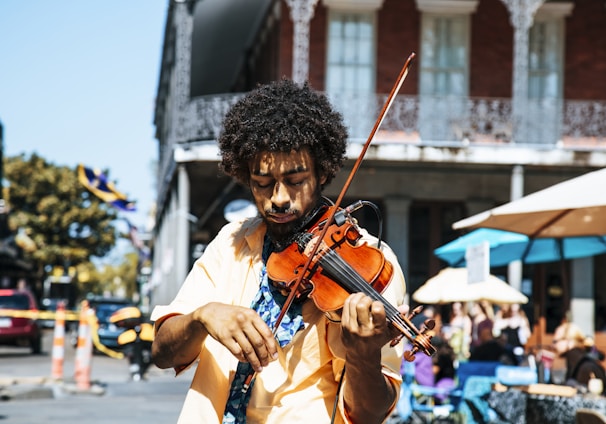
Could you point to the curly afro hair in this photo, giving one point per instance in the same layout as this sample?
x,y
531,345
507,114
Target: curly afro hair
x,y
281,117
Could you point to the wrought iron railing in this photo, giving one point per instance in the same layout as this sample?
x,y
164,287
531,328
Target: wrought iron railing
x,y
442,120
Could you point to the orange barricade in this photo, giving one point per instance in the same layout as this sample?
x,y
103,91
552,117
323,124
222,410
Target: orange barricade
x,y
58,353
84,350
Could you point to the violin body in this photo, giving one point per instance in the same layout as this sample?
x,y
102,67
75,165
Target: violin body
x,y
366,261
335,266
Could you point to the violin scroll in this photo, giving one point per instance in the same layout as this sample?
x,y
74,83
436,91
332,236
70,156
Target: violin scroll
x,y
420,339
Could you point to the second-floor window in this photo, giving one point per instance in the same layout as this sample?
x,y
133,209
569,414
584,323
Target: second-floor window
x,y
444,55
545,59
444,73
351,53
350,68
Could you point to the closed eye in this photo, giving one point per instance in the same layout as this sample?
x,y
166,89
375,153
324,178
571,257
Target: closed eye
x,y
262,182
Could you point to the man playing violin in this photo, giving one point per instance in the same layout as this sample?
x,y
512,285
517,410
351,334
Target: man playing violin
x,y
284,142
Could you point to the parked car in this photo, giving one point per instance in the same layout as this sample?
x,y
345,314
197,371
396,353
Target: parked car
x,y
104,307
50,305
19,331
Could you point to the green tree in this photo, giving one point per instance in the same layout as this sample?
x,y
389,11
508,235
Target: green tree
x,y
121,278
117,279
67,223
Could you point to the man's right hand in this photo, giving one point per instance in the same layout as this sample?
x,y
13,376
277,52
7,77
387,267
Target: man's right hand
x,y
241,330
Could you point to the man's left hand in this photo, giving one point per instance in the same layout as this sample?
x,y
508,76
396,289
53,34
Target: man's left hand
x,y
364,325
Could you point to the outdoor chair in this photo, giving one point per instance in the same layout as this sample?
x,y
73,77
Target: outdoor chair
x,y
476,368
474,408
421,402
474,381
512,375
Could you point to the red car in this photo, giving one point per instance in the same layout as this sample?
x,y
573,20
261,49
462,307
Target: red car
x,y
19,331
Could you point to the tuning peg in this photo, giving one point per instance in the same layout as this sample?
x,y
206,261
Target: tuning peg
x,y
416,311
409,355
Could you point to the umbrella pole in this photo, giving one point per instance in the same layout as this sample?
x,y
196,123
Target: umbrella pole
x,y
564,276
541,323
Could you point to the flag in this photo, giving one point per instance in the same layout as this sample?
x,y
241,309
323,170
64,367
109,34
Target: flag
x,y
97,184
133,236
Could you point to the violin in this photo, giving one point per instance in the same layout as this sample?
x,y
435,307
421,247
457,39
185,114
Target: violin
x,y
341,266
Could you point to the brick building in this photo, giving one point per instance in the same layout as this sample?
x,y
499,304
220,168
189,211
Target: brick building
x,y
504,97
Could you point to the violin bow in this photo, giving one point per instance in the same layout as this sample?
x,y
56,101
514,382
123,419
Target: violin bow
x,y
330,219
392,95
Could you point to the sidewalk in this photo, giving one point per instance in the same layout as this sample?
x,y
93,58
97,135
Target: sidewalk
x,y
44,387
29,388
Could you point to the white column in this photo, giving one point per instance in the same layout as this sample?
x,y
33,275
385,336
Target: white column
x,y
521,17
301,12
514,270
582,303
182,235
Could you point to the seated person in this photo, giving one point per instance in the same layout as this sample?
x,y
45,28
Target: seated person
x,y
493,349
569,343
443,366
434,371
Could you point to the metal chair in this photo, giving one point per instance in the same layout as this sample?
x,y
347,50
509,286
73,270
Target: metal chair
x,y
474,408
422,403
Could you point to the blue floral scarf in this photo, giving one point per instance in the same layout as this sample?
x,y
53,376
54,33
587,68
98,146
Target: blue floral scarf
x,y
268,304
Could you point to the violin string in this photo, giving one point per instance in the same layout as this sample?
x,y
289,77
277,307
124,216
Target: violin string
x,y
348,276
344,273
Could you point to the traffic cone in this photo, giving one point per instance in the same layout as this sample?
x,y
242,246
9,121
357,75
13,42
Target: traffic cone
x,y
84,350
58,353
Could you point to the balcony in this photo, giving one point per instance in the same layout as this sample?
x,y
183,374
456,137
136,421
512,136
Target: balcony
x,y
441,121
468,121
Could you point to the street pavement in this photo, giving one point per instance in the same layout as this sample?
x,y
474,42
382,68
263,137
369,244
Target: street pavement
x,y
28,395
157,400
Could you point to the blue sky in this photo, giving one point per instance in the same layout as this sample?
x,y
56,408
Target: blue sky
x,y
78,80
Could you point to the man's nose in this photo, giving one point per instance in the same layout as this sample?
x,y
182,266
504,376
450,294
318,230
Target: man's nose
x,y
280,197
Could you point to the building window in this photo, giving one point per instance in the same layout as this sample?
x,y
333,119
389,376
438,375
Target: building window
x,y
444,74
444,58
545,51
351,53
350,73
545,59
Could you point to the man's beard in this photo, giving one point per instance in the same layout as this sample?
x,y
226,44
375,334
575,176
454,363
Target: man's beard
x,y
283,235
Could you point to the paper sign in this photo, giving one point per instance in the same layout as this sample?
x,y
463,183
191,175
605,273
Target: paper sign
x,y
478,262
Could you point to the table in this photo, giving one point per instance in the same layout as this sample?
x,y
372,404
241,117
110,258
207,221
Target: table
x,y
518,407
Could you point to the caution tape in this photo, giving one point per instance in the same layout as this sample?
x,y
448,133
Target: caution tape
x,y
94,325
69,316
50,315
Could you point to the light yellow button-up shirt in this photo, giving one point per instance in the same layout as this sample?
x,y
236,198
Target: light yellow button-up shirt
x,y
299,387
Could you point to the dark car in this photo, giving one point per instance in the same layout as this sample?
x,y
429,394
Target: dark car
x,y
50,305
19,331
104,307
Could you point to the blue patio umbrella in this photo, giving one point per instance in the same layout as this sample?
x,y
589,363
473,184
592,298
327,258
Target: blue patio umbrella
x,y
506,247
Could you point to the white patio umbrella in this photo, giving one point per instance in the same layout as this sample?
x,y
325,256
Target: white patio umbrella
x,y
450,285
576,207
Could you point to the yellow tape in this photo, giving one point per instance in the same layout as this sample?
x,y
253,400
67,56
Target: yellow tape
x,y
69,316
94,325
